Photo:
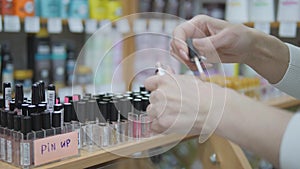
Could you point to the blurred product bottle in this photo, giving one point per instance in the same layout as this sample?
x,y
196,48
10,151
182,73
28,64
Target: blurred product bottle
x,y
24,77
23,8
58,58
79,9
98,9
7,65
70,66
114,9
50,8
6,7
0,66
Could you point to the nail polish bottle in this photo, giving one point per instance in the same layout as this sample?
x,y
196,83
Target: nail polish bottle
x,y
46,124
12,105
50,98
91,131
16,140
114,123
26,156
36,119
35,94
134,120
3,135
67,117
19,98
6,94
145,119
42,91
41,107
56,119
31,109
81,114
24,109
9,136
103,125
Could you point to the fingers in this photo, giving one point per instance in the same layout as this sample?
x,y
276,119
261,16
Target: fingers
x,y
152,83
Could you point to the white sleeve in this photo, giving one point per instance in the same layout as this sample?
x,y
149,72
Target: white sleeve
x,y
290,83
290,145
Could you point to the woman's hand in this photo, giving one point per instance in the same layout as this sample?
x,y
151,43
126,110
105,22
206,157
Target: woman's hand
x,y
221,41
183,104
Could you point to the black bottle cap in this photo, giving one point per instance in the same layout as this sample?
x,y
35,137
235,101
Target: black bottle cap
x,y
46,120
19,95
51,87
1,102
26,125
56,119
80,111
142,88
89,95
42,90
137,104
17,122
91,110
192,51
35,94
58,107
145,103
103,106
12,105
24,109
67,112
10,119
32,109
36,121
126,107
41,107
6,84
4,118
113,111
74,115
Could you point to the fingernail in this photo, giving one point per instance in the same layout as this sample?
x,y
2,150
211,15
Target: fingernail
x,y
183,54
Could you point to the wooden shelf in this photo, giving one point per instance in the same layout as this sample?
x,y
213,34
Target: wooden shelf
x,y
283,102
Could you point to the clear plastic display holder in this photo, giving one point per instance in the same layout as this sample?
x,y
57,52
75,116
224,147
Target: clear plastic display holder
x,y
35,148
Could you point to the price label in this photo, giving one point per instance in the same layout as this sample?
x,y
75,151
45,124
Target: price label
x,y
90,26
75,25
54,25
263,26
288,29
12,23
32,24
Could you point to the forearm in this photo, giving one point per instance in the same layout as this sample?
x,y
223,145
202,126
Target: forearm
x,y
270,57
254,126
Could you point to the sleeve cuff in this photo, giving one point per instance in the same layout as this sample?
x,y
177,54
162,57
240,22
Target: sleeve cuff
x,y
291,80
290,147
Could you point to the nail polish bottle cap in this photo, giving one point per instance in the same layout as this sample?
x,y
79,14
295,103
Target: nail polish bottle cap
x,y
35,94
17,122
103,106
42,90
91,109
113,111
81,109
56,119
46,120
89,95
51,87
32,109
12,105
6,84
26,125
142,88
137,104
58,107
42,107
76,97
19,97
24,109
10,119
4,118
1,102
125,108
145,103
36,121
67,112
74,115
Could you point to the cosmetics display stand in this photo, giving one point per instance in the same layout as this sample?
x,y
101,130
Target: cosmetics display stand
x,y
229,153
